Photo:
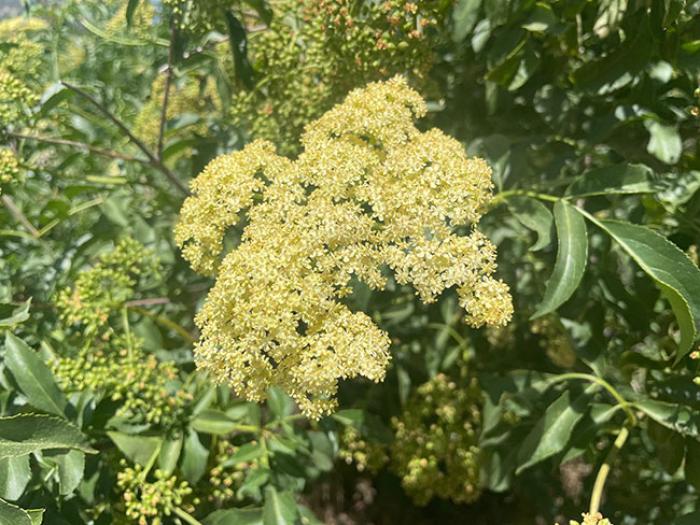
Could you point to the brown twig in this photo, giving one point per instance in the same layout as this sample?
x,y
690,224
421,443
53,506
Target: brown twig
x,y
81,145
19,216
153,160
166,94
152,301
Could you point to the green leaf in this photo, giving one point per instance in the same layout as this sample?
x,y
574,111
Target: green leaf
x,y
535,216
212,421
33,376
279,403
18,315
552,432
465,15
541,18
571,258
692,463
618,179
36,515
12,515
194,458
138,449
71,468
246,453
688,519
239,47
130,10
664,142
170,453
669,446
671,269
14,476
235,517
26,433
678,418
280,508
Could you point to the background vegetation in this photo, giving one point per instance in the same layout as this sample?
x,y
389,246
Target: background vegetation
x,y
587,112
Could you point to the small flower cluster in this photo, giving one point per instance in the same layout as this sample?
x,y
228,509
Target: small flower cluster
x,y
435,449
591,519
365,454
148,390
9,167
141,21
226,477
148,502
370,191
192,95
20,68
104,288
315,50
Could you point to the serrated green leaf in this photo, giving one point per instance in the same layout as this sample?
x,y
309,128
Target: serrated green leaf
x,y
71,468
570,264
279,403
138,449
552,432
235,517
664,142
212,421
14,476
12,515
194,458
26,433
170,453
678,418
535,216
608,180
238,42
280,508
33,376
676,276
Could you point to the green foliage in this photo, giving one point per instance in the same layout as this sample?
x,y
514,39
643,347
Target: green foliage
x,y
586,111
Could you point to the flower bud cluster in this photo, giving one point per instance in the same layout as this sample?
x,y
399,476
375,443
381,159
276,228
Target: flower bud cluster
x,y
192,95
364,453
20,67
591,519
369,192
149,502
148,391
227,477
9,167
436,442
103,289
315,50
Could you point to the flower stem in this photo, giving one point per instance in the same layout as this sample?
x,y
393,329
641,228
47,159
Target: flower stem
x,y
604,470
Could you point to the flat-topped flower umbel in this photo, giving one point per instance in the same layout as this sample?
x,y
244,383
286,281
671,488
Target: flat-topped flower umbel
x,y
368,192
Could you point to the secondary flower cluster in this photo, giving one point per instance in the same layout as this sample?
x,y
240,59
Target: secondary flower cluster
x,y
435,449
227,476
364,453
148,502
103,289
591,519
315,50
191,95
9,167
20,67
148,391
369,192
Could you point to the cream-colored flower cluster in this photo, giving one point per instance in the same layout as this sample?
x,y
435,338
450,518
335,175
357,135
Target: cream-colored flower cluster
x,y
369,192
9,167
20,67
436,442
317,50
591,519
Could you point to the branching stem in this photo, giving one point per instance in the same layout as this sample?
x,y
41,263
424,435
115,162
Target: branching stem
x,y
81,145
152,159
